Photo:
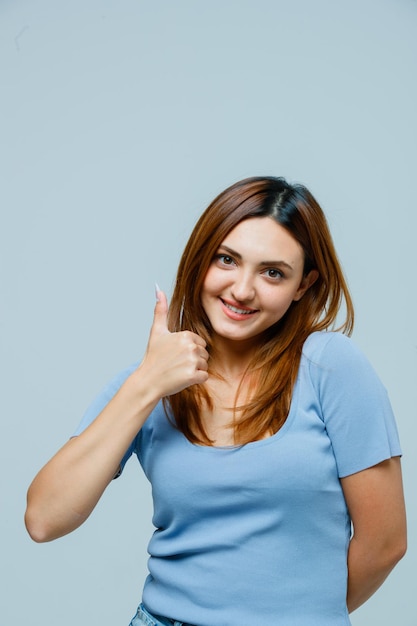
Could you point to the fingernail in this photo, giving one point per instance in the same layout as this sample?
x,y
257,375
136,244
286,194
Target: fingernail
x,y
157,290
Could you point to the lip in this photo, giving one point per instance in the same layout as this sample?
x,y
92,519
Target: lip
x,y
236,311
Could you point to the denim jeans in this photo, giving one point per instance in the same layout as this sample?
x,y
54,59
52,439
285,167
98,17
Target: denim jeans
x,y
143,617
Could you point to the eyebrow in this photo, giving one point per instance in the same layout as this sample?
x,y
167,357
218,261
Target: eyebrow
x,y
262,263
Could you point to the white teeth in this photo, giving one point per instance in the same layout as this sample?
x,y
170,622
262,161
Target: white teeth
x,y
236,310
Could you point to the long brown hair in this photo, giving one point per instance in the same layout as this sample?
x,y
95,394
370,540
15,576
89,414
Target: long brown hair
x,y
275,365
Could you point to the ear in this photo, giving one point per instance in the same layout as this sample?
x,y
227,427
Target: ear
x,y
306,283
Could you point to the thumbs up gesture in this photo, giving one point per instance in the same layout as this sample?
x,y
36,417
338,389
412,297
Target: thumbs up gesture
x,y
174,361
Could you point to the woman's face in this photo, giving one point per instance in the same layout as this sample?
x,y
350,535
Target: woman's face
x,y
254,277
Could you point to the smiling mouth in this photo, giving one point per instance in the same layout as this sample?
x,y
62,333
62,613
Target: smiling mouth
x,y
237,310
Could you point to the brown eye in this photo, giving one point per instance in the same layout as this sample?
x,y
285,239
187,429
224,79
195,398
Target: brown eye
x,y
274,273
224,259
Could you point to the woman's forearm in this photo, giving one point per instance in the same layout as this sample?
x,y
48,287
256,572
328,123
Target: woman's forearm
x,y
368,567
68,487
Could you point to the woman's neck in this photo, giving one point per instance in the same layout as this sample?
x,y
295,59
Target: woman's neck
x,y
231,360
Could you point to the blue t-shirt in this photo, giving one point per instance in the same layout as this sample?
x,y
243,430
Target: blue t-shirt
x,y
258,534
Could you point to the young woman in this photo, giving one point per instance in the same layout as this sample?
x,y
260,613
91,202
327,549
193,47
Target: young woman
x,y
267,436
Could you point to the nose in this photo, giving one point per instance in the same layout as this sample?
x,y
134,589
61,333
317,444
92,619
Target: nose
x,y
243,288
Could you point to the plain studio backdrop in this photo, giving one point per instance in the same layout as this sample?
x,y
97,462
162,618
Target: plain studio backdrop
x,y
120,121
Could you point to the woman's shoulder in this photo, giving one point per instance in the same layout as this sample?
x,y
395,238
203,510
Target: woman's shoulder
x,y
333,349
329,342
333,356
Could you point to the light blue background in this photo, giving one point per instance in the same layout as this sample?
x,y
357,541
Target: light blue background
x,y
120,121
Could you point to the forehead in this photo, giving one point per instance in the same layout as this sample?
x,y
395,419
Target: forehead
x,y
263,237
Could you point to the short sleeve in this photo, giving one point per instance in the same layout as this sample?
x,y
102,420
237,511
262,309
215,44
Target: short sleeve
x,y
355,406
100,401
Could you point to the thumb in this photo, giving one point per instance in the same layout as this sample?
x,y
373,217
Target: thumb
x,y
160,322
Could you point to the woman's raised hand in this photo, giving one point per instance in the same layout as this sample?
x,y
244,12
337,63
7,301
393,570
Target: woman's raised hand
x,y
173,360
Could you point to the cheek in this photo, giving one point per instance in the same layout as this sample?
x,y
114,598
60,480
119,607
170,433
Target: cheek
x,y
280,305
206,289
212,281
205,286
